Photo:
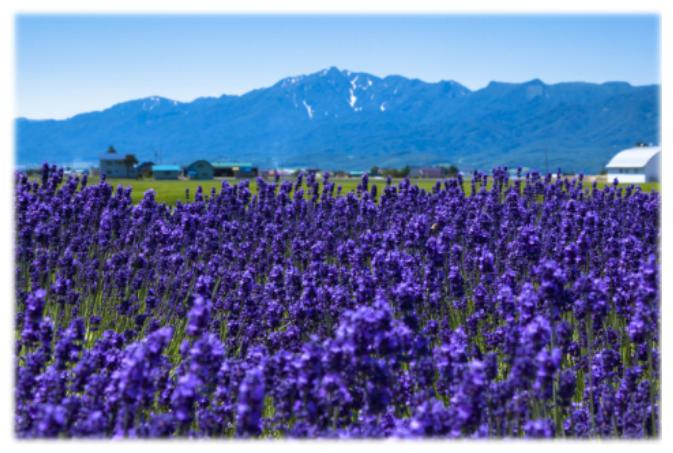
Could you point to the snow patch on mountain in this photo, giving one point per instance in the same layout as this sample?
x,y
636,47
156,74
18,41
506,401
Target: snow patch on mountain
x,y
151,103
309,110
352,98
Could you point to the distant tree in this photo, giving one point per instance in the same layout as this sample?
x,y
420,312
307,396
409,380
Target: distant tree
x,y
129,161
111,150
450,171
374,171
395,173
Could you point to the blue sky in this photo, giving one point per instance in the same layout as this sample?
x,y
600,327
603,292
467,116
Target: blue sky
x,y
71,64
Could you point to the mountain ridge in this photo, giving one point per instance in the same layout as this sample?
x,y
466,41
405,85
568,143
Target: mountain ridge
x,y
340,119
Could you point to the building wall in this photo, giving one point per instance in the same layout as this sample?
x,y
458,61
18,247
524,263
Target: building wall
x,y
636,178
653,168
224,172
236,172
634,175
200,171
426,172
166,174
115,169
246,172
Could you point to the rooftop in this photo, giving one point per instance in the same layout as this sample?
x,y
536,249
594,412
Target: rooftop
x,y
199,161
111,157
165,168
231,164
634,157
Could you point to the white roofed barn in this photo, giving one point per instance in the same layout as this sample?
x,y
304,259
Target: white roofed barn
x,y
635,165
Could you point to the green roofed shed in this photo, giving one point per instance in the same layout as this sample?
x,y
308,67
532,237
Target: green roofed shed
x,y
200,169
166,171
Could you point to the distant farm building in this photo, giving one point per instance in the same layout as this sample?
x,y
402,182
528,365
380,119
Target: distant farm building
x,y
425,172
114,165
200,169
144,169
166,171
635,165
356,173
515,174
235,169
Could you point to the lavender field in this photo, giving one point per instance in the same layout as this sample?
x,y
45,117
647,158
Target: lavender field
x,y
527,308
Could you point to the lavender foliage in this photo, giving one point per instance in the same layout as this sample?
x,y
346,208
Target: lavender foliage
x,y
493,309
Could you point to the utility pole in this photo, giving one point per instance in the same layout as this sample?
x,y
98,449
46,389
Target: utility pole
x,y
546,162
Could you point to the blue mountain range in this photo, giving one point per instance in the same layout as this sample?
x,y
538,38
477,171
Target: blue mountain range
x,y
338,119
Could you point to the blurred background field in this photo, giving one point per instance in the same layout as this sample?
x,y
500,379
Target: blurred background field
x,y
170,191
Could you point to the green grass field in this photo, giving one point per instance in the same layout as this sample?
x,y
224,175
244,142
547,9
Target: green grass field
x,y
172,191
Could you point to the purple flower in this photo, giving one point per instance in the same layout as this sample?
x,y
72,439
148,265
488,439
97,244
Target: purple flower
x,y
198,317
250,404
539,428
